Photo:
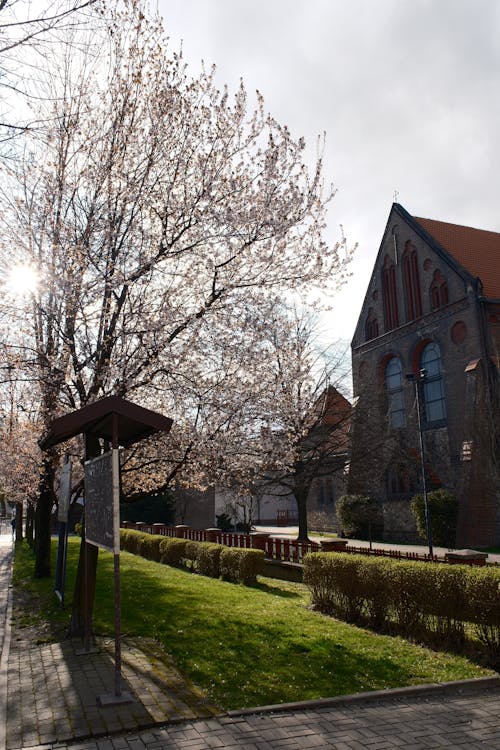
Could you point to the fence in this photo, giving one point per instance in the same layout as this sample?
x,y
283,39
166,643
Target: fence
x,y
290,550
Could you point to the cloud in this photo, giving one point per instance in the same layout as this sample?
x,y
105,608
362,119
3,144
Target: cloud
x,y
407,93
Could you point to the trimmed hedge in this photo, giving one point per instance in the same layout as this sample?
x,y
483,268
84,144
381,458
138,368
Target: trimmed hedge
x,y
241,565
172,550
416,598
234,564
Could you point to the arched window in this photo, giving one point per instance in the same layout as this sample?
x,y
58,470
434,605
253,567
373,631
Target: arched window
x,y
411,283
371,326
438,291
389,294
433,388
395,395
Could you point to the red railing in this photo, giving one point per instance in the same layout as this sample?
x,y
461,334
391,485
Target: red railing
x,y
282,549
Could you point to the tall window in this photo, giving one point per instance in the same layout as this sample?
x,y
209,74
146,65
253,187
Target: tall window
x,y
371,326
433,388
395,395
438,291
389,293
411,283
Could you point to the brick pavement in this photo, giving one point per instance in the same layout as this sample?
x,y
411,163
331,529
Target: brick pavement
x,y
464,720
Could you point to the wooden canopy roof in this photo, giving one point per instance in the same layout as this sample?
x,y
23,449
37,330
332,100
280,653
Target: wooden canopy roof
x,y
134,422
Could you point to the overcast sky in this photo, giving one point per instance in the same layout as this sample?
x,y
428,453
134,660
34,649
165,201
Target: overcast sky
x,y
407,91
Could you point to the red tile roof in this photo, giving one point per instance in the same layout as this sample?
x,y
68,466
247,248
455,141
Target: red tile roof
x,y
477,250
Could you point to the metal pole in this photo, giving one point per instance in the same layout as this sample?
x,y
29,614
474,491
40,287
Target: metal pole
x,y
417,382
116,560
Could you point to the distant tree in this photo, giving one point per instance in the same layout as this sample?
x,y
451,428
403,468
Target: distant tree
x,y
306,419
443,513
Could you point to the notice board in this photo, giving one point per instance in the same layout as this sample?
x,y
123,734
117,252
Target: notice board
x,y
102,512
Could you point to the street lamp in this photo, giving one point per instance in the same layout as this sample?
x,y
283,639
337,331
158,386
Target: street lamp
x,y
417,380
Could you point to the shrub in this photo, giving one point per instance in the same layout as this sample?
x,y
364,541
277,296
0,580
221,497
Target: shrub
x,y
443,512
172,550
208,559
419,599
130,540
224,522
150,546
483,608
360,516
241,565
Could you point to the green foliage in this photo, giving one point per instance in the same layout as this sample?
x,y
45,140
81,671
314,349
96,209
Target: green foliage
x,y
150,546
208,559
233,563
443,511
224,522
172,550
241,565
150,509
130,540
360,516
418,600
482,595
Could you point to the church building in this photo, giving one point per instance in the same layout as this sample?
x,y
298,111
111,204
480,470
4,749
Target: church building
x,y
430,327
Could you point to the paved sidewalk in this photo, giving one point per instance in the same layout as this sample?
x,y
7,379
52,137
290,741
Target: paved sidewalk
x,y
421,549
466,721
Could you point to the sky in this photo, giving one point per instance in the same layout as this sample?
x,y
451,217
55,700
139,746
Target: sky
x,y
407,92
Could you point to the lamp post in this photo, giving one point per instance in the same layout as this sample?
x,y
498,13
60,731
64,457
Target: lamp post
x,y
417,381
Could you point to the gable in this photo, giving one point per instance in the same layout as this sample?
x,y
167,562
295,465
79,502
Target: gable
x,y
423,266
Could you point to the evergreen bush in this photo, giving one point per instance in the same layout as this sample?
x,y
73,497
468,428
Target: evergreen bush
x,y
360,516
443,513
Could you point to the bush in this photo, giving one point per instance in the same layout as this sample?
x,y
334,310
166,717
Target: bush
x,y
172,550
149,546
208,559
483,608
233,563
418,599
224,522
241,565
130,540
360,516
443,512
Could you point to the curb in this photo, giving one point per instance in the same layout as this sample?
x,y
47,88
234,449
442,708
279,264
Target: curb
x,y
412,691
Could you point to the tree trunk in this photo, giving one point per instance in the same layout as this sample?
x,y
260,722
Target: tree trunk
x,y
30,512
301,494
19,522
42,521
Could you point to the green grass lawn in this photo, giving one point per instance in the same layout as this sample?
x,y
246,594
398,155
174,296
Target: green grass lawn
x,y
250,646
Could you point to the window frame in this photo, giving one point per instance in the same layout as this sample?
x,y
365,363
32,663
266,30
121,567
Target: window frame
x,y
432,390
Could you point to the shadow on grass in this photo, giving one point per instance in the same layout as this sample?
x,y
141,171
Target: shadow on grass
x,y
267,588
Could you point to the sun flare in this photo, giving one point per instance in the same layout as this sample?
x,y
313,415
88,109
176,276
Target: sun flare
x,y
22,280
